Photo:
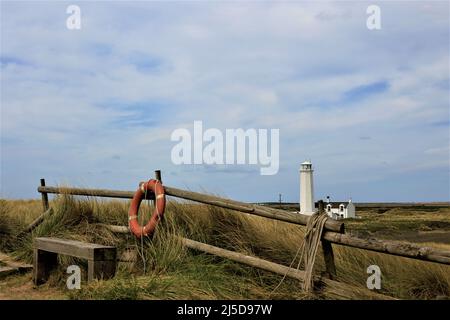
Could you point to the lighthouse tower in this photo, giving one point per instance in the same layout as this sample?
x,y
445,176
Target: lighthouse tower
x,y
306,189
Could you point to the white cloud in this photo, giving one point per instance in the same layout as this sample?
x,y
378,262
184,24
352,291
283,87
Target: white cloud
x,y
274,65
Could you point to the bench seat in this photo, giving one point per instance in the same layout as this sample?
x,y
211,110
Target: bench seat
x,y
101,259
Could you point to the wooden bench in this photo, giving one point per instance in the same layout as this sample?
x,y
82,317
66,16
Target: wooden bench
x,y
101,259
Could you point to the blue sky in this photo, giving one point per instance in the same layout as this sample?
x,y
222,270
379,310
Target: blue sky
x,y
96,107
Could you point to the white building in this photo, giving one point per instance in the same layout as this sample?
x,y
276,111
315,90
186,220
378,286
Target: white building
x,y
334,210
306,189
340,210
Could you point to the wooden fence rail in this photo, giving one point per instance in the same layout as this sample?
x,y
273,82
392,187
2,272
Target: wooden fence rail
x,y
333,230
276,268
276,214
91,192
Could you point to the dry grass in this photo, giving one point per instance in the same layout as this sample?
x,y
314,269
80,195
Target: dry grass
x,y
408,223
174,272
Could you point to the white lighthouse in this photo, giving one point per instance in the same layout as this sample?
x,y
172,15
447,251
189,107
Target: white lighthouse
x,y
306,189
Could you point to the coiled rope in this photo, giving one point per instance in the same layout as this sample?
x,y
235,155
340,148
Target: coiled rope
x,y
311,242
308,249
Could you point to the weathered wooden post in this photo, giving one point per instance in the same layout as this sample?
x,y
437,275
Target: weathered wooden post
x,y
44,196
47,211
158,175
327,249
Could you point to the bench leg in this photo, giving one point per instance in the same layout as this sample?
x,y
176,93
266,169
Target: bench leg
x,y
101,269
43,263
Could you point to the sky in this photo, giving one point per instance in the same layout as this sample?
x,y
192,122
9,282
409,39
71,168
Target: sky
x,y
96,107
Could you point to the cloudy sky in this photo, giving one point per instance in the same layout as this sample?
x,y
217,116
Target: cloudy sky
x,y
96,107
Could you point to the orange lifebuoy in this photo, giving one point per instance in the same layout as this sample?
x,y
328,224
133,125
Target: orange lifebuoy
x,y
157,188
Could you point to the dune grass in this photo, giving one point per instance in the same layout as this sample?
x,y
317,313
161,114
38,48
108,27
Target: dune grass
x,y
164,269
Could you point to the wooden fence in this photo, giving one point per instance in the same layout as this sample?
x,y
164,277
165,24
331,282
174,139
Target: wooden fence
x,y
333,233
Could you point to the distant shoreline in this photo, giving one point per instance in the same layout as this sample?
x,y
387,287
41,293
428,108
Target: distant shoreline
x,y
370,204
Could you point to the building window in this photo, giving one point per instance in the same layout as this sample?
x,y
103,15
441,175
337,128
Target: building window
x,y
328,208
341,208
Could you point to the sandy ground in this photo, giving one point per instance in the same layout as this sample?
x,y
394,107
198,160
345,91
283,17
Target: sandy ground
x,y
21,287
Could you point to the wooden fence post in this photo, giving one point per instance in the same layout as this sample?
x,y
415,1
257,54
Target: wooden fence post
x,y
327,249
44,196
158,175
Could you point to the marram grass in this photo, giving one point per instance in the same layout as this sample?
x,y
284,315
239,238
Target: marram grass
x,y
164,269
